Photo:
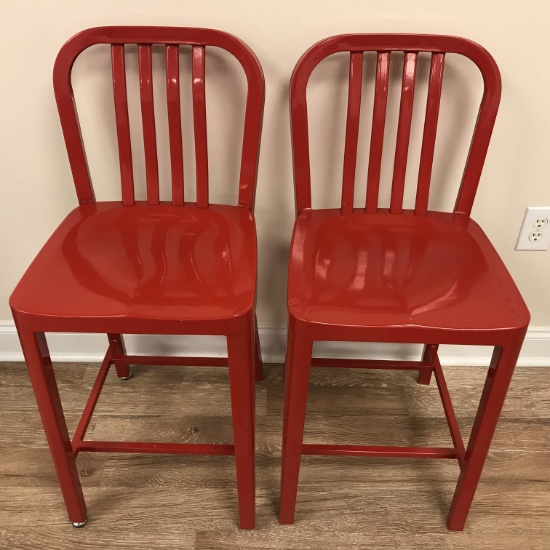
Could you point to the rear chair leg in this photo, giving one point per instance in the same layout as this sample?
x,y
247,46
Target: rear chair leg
x,y
258,366
122,371
242,363
425,376
35,350
498,379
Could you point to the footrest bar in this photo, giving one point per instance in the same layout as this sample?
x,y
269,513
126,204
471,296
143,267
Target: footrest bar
x,y
379,451
94,396
370,364
175,361
153,448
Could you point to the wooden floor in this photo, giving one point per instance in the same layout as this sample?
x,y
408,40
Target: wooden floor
x,y
151,501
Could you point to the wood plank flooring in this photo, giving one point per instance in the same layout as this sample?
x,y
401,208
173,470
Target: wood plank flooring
x,y
152,501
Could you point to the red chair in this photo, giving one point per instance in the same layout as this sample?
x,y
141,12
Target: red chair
x,y
375,274
149,267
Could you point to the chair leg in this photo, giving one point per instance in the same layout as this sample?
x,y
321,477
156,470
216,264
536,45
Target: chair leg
x,y
35,350
122,371
286,378
425,376
297,368
258,365
498,379
241,357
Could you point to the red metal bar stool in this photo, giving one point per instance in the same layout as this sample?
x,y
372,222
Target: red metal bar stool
x,y
373,274
149,267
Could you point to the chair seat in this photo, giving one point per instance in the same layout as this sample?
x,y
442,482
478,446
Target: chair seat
x,y
382,270
148,262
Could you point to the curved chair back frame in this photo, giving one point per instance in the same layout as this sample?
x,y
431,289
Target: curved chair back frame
x,y
384,45
171,38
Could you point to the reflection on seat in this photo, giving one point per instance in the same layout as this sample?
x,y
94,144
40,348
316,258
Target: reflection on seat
x,y
378,270
170,262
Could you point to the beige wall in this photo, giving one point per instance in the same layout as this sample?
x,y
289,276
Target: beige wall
x,y
36,190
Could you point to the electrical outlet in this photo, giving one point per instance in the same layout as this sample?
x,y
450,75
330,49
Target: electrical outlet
x,y
535,229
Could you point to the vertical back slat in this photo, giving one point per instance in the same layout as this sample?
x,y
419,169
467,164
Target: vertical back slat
x,y
377,133
430,129
174,123
122,124
403,132
148,120
352,130
199,119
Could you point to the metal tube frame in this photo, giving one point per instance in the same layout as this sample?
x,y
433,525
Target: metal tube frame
x,y
456,452
79,444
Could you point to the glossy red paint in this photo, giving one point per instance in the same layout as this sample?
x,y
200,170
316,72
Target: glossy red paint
x,y
120,95
148,267
199,117
378,125
392,275
352,130
174,122
109,264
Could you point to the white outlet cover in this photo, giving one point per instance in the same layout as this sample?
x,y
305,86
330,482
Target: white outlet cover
x,y
532,214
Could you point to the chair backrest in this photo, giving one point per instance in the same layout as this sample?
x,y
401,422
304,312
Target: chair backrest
x,y
171,38
384,45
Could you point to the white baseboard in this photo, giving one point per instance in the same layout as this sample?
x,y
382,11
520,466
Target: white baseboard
x,y
92,347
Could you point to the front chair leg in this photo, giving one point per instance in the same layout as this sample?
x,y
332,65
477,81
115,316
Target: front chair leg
x,y
122,371
35,350
241,359
297,368
498,379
